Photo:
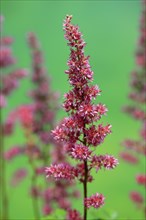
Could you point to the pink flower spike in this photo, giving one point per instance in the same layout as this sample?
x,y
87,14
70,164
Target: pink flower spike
x,y
81,152
95,201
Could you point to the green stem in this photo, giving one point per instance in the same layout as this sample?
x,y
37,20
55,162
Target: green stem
x,y
34,177
4,211
34,200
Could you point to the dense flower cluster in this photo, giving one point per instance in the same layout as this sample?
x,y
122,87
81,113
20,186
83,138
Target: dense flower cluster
x,y
95,201
78,132
138,95
63,171
81,152
106,161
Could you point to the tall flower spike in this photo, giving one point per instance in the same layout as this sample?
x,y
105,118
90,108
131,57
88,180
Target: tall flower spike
x,y
45,103
137,110
78,131
9,82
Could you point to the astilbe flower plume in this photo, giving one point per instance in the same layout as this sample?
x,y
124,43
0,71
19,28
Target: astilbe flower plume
x,y
136,149
45,104
9,82
78,131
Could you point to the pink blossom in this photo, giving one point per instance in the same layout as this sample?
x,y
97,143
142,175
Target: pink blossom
x,y
10,122
135,112
95,136
92,92
73,214
67,131
25,114
95,201
137,146
32,40
10,83
12,153
18,176
20,73
64,203
47,209
101,109
61,171
6,41
140,59
59,134
136,197
110,162
6,58
129,158
141,179
89,112
81,152
106,161
3,101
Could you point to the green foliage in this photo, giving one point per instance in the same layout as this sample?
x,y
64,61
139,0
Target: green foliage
x,y
58,214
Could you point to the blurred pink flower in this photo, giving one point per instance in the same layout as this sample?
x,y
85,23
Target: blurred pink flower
x,y
95,201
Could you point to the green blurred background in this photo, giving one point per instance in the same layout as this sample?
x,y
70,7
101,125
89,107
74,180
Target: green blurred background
x,y
110,29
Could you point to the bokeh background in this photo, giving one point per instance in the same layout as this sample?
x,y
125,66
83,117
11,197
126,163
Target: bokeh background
x,y
110,28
